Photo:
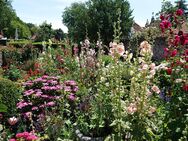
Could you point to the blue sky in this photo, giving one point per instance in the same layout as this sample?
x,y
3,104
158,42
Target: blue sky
x,y
38,11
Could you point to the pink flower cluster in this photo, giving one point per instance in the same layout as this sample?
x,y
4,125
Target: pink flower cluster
x,y
24,136
39,94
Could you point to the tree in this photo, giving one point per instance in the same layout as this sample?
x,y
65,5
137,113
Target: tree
x,y
9,21
45,32
76,18
33,28
86,19
59,34
7,14
23,29
167,7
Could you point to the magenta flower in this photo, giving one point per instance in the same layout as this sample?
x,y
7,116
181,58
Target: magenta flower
x,y
34,108
29,92
51,104
31,138
179,12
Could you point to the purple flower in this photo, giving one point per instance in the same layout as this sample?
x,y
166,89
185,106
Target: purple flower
x,y
51,104
34,108
75,89
72,97
29,92
22,104
45,76
53,82
67,88
70,82
28,83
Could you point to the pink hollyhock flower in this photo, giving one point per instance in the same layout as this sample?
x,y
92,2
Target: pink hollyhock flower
x,y
162,27
12,121
176,40
132,108
152,66
173,53
155,89
179,12
166,24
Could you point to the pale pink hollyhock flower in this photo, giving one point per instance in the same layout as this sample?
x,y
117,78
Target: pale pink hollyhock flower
x,y
145,48
12,120
148,92
152,72
120,49
145,66
155,89
113,44
152,66
132,108
152,110
112,51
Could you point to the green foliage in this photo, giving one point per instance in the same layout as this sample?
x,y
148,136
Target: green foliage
x,y
44,32
23,29
13,73
10,92
76,18
85,19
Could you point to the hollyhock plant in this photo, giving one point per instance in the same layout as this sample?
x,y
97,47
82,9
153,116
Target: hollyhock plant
x,y
173,79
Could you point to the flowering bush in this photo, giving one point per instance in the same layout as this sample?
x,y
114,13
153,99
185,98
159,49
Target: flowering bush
x,y
40,94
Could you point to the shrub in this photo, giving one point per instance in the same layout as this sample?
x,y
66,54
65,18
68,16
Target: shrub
x,y
9,93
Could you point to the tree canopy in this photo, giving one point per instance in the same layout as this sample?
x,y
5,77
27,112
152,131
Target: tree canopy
x,y
86,19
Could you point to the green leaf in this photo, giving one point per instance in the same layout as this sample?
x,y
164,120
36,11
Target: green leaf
x,y
3,108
